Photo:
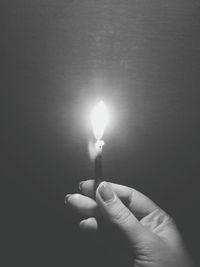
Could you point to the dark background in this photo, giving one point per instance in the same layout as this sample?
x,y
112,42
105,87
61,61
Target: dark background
x,y
57,59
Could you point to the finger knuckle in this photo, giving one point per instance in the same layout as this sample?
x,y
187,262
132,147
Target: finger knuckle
x,y
163,217
121,215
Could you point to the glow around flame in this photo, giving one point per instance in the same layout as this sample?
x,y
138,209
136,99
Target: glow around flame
x,y
99,119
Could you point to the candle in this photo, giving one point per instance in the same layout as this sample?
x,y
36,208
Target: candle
x,y
98,172
99,120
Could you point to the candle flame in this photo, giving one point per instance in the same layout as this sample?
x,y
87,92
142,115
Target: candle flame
x,y
99,119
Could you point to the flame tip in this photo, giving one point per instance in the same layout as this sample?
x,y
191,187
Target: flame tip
x,y
99,119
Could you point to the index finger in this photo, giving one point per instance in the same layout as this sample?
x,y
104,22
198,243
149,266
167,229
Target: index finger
x,y
137,202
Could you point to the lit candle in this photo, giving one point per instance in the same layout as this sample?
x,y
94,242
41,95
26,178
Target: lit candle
x,y
99,120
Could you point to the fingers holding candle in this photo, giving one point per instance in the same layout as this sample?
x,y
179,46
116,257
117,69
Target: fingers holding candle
x,y
85,205
137,202
154,238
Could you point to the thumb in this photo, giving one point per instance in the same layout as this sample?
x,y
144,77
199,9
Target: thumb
x,y
118,214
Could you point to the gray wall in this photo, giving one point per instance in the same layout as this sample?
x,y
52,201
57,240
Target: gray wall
x,y
59,57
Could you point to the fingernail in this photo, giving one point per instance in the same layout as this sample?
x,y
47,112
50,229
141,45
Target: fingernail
x,y
66,198
105,192
80,185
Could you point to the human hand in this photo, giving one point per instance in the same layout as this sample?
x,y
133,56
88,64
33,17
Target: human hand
x,y
151,233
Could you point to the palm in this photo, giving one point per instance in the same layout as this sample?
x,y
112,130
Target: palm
x,y
164,244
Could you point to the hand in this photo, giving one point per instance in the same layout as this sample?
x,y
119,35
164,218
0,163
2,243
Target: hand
x,y
150,232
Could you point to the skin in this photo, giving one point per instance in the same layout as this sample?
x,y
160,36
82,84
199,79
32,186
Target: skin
x,y
150,232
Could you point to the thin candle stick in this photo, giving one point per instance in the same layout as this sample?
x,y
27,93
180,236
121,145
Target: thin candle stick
x,y
98,164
